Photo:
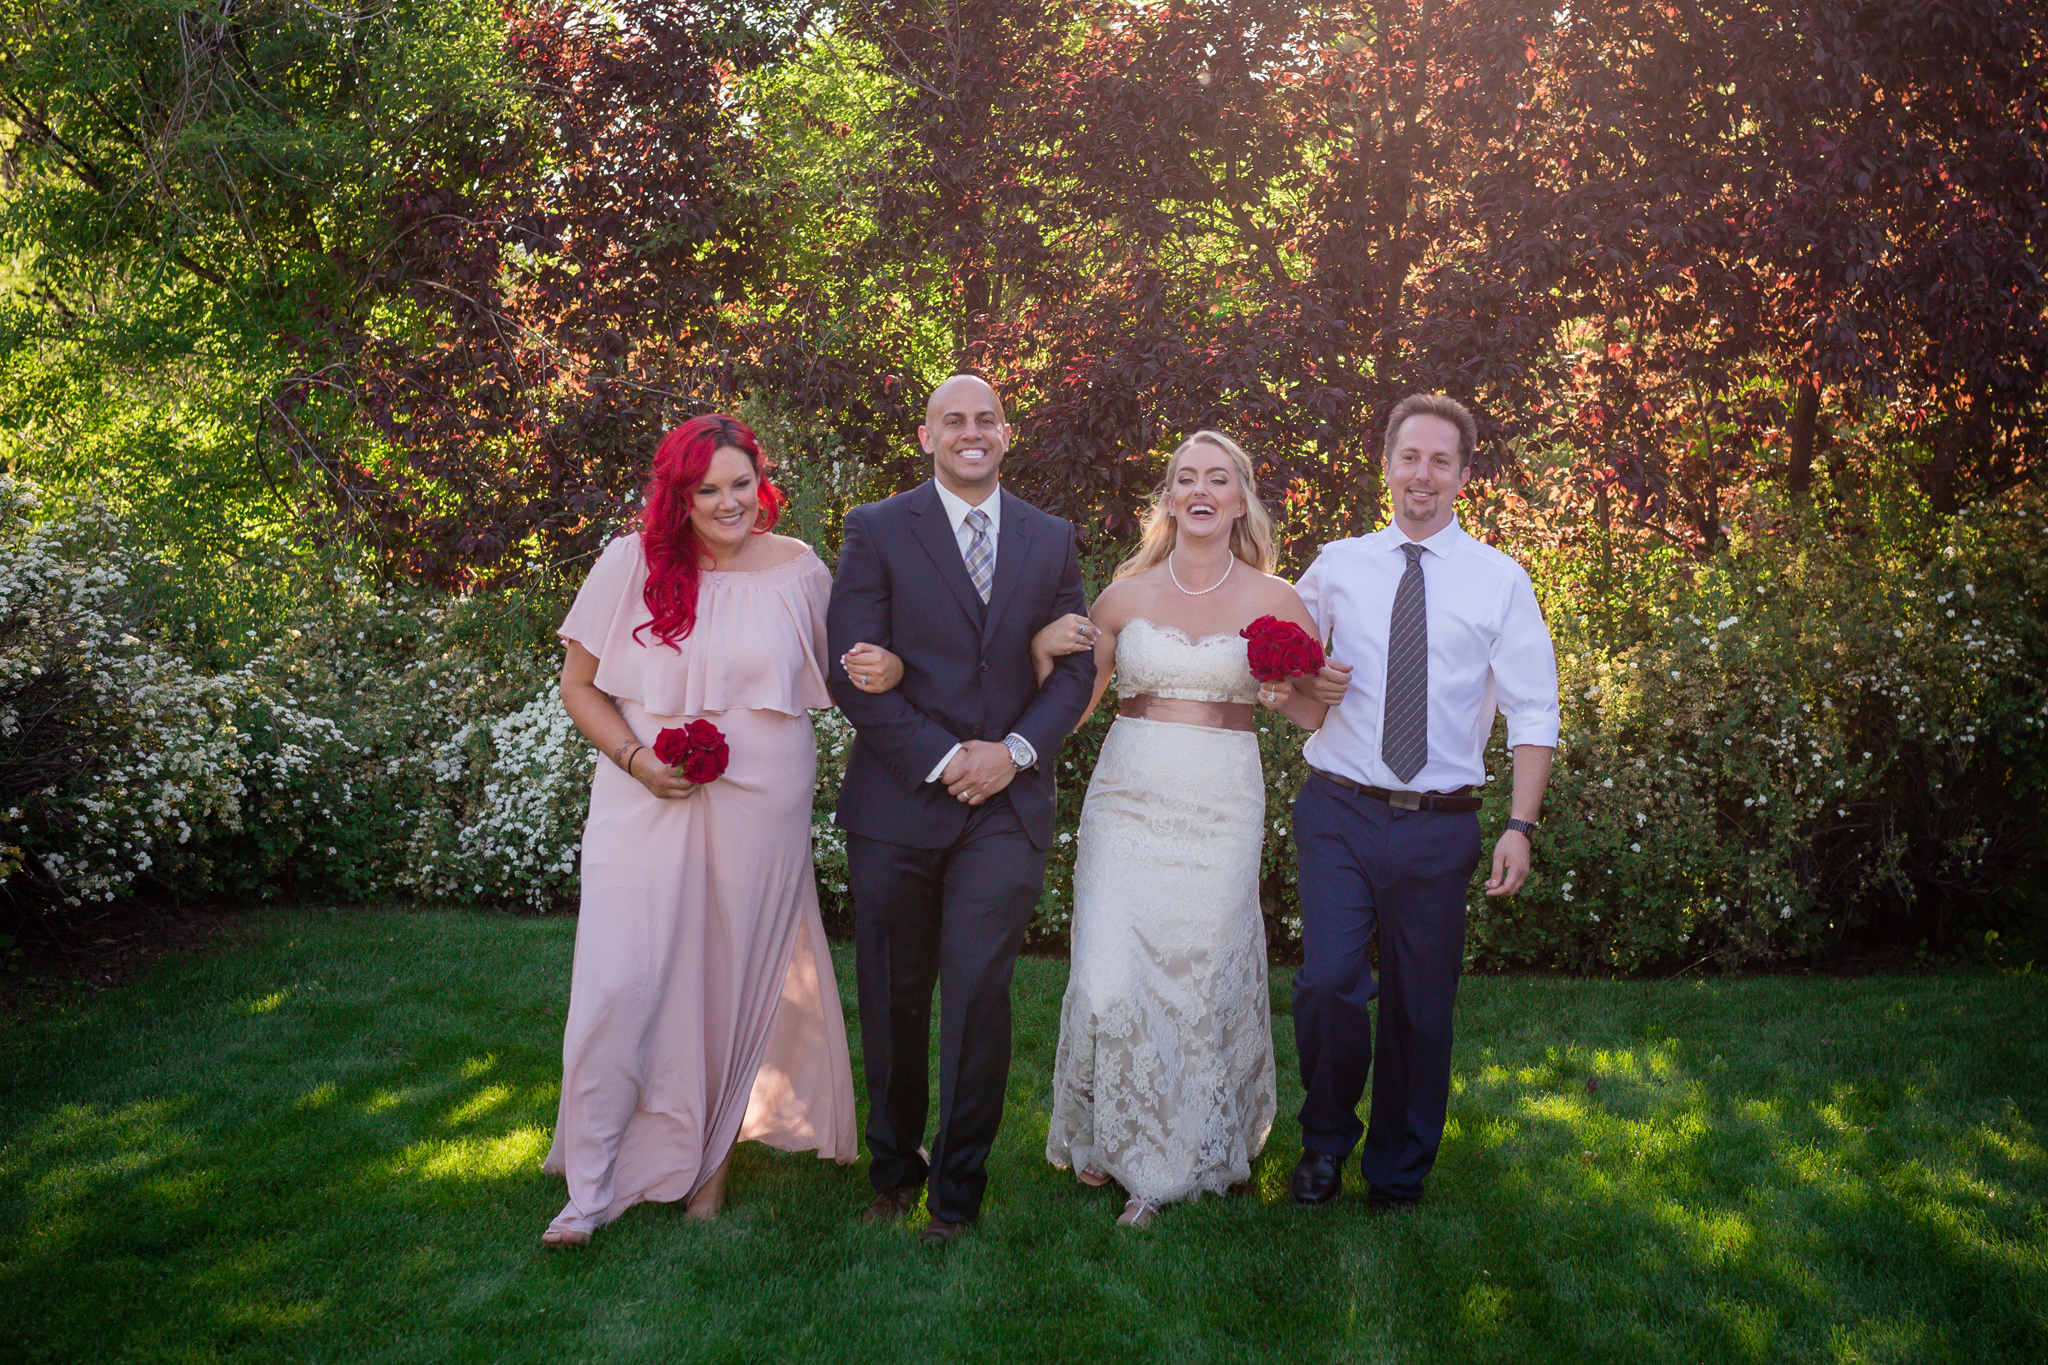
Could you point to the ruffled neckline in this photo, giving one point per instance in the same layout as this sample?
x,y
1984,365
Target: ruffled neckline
x,y
774,573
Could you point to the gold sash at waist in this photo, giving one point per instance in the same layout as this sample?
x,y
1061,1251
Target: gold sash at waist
x,y
1217,715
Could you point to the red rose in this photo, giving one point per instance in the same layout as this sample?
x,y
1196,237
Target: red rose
x,y
703,765
703,734
1279,649
671,745
1303,655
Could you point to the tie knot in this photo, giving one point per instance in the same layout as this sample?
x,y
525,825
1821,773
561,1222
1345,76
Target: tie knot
x,y
1412,550
977,518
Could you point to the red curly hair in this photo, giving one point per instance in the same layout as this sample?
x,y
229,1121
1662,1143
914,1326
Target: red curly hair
x,y
674,558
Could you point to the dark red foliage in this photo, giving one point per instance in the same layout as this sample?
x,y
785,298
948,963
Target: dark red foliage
x,y
564,292
1679,241
1729,204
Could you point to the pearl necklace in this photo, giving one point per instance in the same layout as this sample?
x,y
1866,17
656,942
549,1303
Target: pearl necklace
x,y
1211,588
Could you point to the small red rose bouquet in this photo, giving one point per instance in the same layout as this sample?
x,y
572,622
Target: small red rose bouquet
x,y
1280,649
698,748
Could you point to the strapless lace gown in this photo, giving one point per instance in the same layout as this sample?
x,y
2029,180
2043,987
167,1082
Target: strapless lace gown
x,y
1164,1076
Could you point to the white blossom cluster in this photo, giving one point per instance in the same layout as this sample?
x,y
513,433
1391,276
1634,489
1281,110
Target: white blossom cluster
x,y
519,839
1795,742
140,760
1736,769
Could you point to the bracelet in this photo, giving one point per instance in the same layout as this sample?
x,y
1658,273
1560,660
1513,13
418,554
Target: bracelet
x,y
628,764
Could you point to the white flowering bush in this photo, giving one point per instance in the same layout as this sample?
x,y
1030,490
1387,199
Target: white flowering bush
x,y
1810,740
464,780
517,838
828,841
122,762
1804,741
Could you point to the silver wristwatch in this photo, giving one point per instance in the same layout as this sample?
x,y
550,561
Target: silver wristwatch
x,y
1020,752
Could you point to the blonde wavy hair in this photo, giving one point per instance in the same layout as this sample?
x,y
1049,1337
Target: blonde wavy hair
x,y
1251,539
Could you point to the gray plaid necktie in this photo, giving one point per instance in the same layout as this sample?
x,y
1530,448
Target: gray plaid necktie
x,y
1404,736
981,554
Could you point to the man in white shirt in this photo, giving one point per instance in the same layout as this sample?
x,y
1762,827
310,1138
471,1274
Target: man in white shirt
x,y
1439,631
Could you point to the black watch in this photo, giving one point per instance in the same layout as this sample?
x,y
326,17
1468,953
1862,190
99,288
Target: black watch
x,y
1524,827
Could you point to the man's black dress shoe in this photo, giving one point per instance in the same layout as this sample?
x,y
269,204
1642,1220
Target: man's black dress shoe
x,y
893,1204
938,1232
1318,1179
1379,1201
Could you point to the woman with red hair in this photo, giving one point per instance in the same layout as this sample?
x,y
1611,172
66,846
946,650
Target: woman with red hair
x,y
702,1007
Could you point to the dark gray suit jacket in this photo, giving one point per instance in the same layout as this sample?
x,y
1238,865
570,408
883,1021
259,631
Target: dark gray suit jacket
x,y
967,670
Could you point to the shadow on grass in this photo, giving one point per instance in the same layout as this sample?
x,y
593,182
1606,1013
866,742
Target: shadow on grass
x,y
1760,1169
326,1146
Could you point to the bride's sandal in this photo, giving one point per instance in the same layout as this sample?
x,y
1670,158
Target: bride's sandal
x,y
1091,1177
1139,1213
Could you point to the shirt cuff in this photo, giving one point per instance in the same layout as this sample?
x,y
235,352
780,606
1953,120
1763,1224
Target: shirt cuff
x,y
933,775
1533,727
1030,754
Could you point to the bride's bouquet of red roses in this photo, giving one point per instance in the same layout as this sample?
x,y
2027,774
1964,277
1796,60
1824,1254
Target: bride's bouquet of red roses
x,y
698,748
1280,649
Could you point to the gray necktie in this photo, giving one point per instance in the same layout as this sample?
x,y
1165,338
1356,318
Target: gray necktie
x,y
981,554
1404,736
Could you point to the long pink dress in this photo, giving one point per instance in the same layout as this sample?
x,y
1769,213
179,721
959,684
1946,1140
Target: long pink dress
x,y
702,1007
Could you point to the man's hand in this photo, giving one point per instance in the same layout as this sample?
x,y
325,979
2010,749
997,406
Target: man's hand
x,y
1510,863
1327,687
980,770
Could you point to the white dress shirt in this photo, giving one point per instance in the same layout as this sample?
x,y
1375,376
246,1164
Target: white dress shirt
x,y
1488,650
957,509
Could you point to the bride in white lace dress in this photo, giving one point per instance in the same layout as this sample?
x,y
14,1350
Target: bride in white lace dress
x,y
1164,1078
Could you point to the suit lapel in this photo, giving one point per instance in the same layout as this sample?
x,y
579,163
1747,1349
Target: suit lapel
x,y
1011,548
935,533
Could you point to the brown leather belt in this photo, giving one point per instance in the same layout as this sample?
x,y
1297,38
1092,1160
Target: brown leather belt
x,y
1449,802
1217,715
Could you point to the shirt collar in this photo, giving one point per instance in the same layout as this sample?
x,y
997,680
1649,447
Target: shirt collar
x,y
1446,539
958,507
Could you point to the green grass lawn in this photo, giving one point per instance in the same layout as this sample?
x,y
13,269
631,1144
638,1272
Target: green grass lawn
x,y
324,1144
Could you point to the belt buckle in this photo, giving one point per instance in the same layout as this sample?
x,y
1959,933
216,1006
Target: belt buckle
x,y
1405,800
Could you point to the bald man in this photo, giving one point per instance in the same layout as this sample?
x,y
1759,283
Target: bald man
x,y
948,797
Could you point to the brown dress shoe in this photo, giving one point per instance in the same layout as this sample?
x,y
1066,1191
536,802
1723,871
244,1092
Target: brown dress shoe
x,y
894,1204
938,1232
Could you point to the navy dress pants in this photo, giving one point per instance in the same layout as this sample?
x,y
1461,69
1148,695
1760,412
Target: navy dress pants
x,y
1368,869
954,917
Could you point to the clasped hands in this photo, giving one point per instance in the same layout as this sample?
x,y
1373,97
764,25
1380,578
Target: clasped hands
x,y
978,771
